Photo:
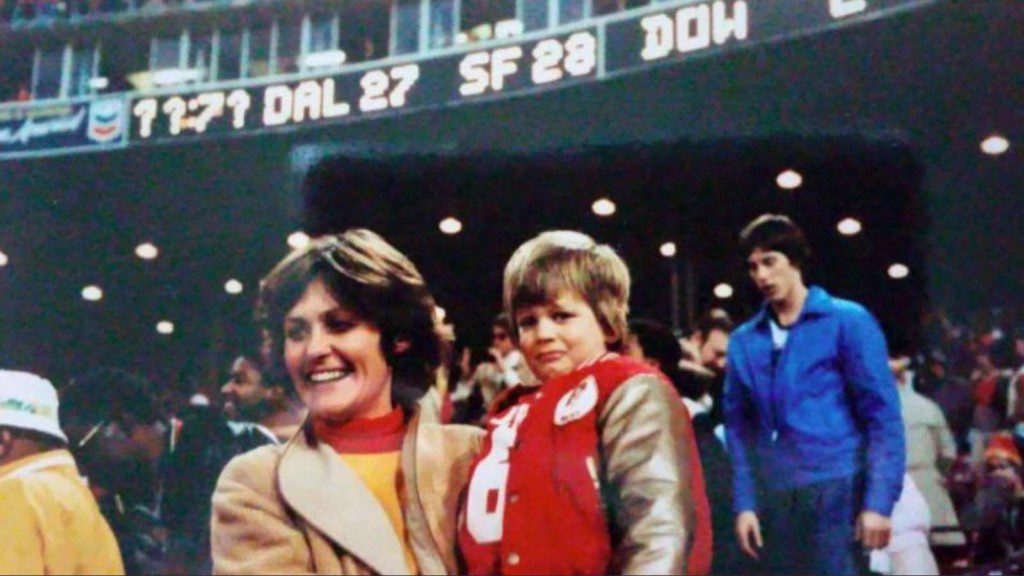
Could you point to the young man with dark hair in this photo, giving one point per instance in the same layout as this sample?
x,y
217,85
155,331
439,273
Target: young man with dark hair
x,y
812,417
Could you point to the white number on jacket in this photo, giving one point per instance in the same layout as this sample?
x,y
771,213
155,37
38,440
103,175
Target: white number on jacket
x,y
485,504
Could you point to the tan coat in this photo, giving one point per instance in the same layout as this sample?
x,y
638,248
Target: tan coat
x,y
930,446
299,509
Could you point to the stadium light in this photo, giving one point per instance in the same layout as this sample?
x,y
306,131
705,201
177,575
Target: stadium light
x,y
603,207
233,286
789,179
849,226
99,82
146,251
172,76
995,145
668,249
3,259
165,327
92,293
723,291
324,59
450,226
298,240
508,28
898,271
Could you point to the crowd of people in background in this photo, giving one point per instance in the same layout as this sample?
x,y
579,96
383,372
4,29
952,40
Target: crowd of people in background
x,y
920,469
18,12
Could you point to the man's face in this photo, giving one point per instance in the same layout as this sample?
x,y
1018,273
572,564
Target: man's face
x,y
501,341
713,350
773,274
244,388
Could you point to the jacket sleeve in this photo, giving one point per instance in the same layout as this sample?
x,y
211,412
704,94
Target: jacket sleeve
x,y
876,406
251,530
740,422
644,429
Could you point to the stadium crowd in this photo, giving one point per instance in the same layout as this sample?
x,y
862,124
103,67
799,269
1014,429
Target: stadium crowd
x,y
357,434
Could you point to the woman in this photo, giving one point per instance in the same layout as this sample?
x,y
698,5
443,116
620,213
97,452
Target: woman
x,y
365,487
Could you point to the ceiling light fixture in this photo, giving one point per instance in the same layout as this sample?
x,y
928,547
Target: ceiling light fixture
x,y
789,179
849,226
298,240
603,207
450,226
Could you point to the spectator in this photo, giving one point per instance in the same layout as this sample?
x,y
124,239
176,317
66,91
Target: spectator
x,y
366,487
119,437
931,450
811,412
654,344
996,516
250,397
712,341
51,524
204,440
953,395
505,368
467,397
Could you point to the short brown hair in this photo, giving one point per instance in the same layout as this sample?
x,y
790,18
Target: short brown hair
x,y
560,260
776,233
379,284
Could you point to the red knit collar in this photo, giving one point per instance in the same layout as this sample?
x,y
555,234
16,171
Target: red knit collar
x,y
363,436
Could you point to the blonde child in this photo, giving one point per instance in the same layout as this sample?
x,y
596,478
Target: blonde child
x,y
594,470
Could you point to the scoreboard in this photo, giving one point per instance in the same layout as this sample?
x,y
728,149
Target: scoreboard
x,y
595,49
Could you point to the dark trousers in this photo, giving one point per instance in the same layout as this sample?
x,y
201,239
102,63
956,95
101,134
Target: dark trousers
x,y
811,529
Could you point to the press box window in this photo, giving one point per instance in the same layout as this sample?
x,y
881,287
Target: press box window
x,y
323,33
534,14
289,46
200,54
83,66
406,37
229,55
165,52
442,23
47,78
259,52
364,31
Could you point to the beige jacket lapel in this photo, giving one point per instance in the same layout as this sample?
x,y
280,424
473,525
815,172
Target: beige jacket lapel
x,y
422,531
318,485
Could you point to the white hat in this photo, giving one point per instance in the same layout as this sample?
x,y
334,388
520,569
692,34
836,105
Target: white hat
x,y
29,402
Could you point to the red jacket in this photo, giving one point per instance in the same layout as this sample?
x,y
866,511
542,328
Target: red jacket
x,y
594,472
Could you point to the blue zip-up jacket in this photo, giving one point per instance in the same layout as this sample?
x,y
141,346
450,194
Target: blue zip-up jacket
x,y
827,409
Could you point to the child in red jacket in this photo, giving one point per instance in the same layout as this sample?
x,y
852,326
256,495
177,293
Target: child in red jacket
x,y
595,470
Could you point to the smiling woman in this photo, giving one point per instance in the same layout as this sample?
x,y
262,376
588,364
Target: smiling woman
x,y
350,320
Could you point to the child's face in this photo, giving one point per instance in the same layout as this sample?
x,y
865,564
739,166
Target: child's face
x,y
558,336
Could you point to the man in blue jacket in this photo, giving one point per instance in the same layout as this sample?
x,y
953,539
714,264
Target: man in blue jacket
x,y
812,417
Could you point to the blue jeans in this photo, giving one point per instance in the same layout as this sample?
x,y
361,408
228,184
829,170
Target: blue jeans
x,y
811,529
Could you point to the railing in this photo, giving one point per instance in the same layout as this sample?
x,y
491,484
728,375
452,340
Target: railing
x,y
17,14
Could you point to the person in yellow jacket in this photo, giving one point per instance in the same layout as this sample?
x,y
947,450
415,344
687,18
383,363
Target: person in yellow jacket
x,y
51,523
